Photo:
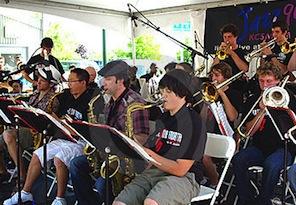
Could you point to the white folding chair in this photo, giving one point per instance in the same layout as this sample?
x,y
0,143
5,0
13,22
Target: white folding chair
x,y
218,146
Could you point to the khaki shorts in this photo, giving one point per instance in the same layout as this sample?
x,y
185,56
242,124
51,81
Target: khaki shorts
x,y
165,189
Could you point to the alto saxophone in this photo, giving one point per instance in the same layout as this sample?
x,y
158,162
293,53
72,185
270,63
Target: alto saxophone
x,y
94,159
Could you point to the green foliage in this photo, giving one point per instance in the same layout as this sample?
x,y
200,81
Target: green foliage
x,y
146,48
64,44
184,54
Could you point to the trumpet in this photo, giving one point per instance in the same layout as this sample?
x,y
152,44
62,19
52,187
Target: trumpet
x,y
288,47
256,53
275,97
209,91
221,53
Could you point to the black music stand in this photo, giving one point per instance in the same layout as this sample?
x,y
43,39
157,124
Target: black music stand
x,y
284,124
112,142
7,118
41,122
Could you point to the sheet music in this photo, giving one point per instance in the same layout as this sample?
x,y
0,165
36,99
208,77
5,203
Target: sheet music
x,y
221,118
135,145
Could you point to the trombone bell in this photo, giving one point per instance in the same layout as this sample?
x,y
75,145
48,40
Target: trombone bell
x,y
276,97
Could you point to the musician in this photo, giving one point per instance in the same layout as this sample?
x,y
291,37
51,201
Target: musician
x,y
92,76
39,99
134,81
176,145
73,102
267,148
46,47
116,84
236,57
231,101
292,62
275,55
153,70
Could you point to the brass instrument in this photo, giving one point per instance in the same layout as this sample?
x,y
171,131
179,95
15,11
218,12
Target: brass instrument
x,y
274,97
114,161
5,85
221,53
95,158
209,91
288,47
256,53
90,112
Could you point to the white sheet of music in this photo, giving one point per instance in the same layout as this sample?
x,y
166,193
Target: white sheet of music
x,y
135,145
221,118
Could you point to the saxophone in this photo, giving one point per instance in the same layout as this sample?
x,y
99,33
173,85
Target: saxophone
x,y
95,158
119,180
37,137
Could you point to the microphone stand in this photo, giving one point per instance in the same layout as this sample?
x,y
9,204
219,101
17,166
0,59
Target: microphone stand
x,y
156,28
205,52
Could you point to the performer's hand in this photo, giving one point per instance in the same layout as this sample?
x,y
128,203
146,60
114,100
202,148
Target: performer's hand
x,y
261,105
265,51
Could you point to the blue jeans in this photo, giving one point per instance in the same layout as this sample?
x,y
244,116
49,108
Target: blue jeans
x,y
292,177
83,183
272,166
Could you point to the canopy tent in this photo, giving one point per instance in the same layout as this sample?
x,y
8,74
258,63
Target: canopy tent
x,y
114,14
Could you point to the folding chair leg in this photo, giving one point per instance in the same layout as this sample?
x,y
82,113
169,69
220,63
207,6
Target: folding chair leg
x,y
228,189
12,175
51,186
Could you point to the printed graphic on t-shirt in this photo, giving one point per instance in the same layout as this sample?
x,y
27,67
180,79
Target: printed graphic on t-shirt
x,y
74,113
167,137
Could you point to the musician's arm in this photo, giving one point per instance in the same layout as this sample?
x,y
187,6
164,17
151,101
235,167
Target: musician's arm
x,y
230,110
242,65
292,62
177,167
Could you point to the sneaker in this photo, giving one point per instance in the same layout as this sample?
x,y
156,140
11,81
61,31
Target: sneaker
x,y
59,201
25,197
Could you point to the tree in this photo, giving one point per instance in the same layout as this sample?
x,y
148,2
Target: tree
x,y
185,56
146,48
64,45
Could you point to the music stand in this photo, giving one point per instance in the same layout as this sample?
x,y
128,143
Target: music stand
x,y
7,118
288,114
111,141
41,122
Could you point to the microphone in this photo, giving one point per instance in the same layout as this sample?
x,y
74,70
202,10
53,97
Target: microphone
x,y
131,14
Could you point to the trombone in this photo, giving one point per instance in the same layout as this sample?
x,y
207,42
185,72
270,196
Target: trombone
x,y
256,53
209,91
275,97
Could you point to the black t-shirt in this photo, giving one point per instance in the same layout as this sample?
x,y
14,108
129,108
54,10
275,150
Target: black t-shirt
x,y
240,84
179,137
266,138
280,56
38,58
241,54
75,108
147,76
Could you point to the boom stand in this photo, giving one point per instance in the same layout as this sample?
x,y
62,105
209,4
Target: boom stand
x,y
156,28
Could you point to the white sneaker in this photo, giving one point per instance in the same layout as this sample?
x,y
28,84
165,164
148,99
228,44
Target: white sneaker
x,y
25,197
59,201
